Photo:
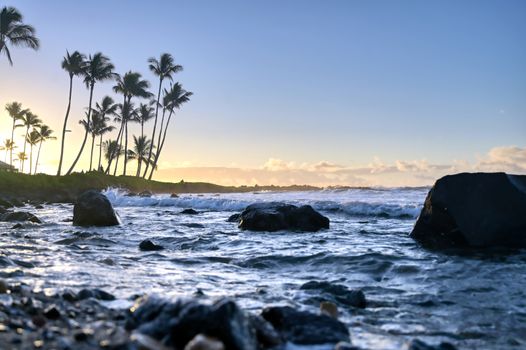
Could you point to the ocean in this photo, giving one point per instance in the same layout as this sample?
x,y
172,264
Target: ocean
x,y
475,300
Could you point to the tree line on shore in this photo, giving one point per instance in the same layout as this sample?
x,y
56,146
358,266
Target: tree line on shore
x,y
139,105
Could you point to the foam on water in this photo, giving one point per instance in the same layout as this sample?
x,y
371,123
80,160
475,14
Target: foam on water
x,y
369,202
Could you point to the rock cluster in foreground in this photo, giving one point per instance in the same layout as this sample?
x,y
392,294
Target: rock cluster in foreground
x,y
78,320
474,210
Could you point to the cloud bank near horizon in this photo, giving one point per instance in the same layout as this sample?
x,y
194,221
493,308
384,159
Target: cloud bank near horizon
x,y
510,159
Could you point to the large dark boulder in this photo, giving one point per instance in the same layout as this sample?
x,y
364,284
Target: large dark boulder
x,y
474,210
301,327
93,209
19,216
273,216
176,323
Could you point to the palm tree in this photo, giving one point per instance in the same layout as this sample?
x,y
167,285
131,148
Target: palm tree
x,y
44,133
8,147
22,156
130,85
32,138
127,113
29,120
144,114
111,150
176,97
98,68
73,64
103,110
140,152
14,32
164,68
15,111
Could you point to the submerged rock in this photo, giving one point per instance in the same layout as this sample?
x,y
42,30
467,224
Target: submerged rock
x,y
174,195
475,210
145,194
337,293
19,216
175,324
274,216
416,344
305,328
148,245
189,211
94,209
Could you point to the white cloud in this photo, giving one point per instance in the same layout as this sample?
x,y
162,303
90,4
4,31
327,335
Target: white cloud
x,y
324,173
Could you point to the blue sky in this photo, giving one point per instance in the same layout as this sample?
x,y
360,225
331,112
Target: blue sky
x,y
344,82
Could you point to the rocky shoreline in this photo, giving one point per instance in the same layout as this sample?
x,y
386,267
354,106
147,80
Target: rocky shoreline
x,y
34,319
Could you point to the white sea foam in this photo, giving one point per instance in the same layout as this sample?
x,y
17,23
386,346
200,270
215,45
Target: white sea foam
x,y
354,202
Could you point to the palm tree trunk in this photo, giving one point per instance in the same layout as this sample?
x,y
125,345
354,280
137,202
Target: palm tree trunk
x,y
30,159
154,126
85,134
25,142
13,144
138,166
38,156
65,126
119,143
160,146
91,154
100,153
113,155
161,128
125,146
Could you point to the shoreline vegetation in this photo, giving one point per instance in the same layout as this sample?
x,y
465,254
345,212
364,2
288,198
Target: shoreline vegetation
x,y
54,189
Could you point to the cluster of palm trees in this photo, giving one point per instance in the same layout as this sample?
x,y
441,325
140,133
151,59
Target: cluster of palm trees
x,y
35,133
94,69
98,68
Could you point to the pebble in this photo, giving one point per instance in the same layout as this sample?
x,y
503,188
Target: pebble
x,y
3,286
204,342
52,313
329,309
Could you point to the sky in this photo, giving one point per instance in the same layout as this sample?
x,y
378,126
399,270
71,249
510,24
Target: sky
x,y
358,93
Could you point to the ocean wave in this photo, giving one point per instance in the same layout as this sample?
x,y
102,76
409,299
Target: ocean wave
x,y
238,202
383,210
119,198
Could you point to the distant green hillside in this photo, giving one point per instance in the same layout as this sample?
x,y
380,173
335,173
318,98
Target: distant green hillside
x,y
66,188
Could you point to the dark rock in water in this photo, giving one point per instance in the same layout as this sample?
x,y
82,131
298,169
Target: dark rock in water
x,y
3,210
475,210
93,209
420,345
52,313
17,226
148,245
20,216
145,194
234,218
266,335
174,195
346,346
39,206
275,216
131,194
338,292
95,293
305,328
176,323
190,211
